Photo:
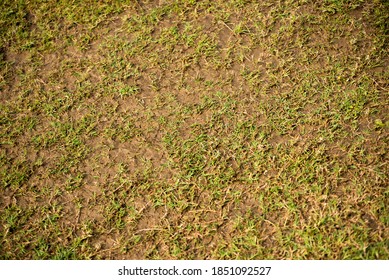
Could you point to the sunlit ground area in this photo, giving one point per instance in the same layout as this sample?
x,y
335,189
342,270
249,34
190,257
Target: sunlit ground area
x,y
191,129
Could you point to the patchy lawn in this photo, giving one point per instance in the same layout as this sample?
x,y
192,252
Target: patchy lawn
x,y
191,129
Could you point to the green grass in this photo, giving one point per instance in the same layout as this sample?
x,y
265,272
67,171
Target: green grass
x,y
194,129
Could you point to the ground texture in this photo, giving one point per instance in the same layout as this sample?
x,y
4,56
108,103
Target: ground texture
x,y
194,129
